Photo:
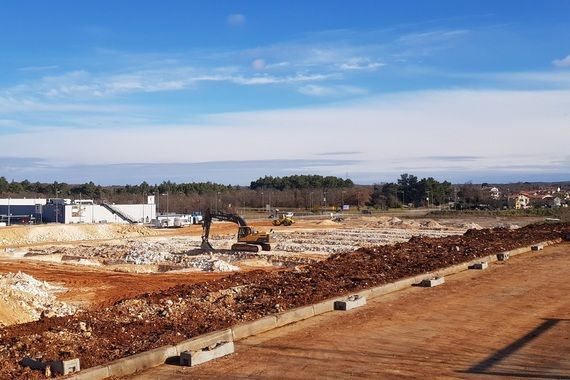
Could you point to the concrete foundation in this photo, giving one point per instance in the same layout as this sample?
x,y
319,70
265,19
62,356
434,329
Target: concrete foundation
x,y
431,282
350,303
192,358
503,256
480,266
537,247
65,367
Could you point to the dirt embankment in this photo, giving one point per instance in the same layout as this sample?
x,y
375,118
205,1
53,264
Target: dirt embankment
x,y
167,317
31,235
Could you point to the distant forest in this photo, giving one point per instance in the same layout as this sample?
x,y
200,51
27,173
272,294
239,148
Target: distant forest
x,y
311,192
300,191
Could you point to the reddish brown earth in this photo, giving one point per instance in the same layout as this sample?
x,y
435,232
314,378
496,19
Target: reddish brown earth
x,y
101,288
511,321
169,316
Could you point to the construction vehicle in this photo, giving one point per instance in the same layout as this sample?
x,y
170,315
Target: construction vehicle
x,y
248,238
284,219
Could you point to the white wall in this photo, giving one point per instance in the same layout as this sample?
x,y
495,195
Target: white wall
x,y
22,201
99,214
139,212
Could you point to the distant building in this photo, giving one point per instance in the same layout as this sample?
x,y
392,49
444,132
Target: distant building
x,y
522,201
59,210
495,193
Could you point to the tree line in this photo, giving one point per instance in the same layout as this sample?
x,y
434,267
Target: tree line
x,y
409,190
301,182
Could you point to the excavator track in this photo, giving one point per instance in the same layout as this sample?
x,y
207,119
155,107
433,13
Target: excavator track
x,y
243,247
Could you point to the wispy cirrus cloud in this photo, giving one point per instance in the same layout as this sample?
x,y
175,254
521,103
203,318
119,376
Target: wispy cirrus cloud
x,y
38,68
332,90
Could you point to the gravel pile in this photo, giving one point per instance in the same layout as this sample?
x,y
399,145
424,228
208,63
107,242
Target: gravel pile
x,y
35,298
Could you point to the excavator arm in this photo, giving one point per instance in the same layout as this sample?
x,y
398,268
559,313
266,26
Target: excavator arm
x,y
246,234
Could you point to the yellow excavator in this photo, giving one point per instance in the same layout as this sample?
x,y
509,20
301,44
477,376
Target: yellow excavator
x,y
248,238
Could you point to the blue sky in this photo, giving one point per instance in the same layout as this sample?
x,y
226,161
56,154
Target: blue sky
x,y
227,91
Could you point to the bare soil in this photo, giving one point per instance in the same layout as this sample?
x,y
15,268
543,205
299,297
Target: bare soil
x,y
511,321
169,316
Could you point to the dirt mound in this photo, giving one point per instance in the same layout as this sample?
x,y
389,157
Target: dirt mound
x,y
327,222
470,226
432,224
23,235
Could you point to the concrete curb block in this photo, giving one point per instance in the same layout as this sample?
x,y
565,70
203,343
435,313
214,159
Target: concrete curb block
x,y
148,359
350,303
142,361
93,373
205,340
295,315
432,282
479,266
255,327
323,307
193,358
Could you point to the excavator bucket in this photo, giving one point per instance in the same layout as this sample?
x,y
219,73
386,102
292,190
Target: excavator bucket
x,y
206,246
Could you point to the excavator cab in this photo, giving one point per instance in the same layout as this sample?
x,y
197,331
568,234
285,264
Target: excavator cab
x,y
245,231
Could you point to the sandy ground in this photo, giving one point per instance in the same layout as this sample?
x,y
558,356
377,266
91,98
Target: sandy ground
x,y
510,321
95,287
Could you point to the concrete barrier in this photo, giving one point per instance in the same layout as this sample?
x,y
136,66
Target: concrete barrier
x,y
480,266
295,315
93,373
65,367
503,256
193,358
350,302
431,282
255,327
142,361
323,307
205,340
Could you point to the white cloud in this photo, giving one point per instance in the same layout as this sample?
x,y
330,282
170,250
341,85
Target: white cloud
x,y
564,62
236,19
359,63
258,64
421,38
392,132
338,90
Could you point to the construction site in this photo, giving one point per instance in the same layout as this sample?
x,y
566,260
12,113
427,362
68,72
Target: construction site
x,y
90,301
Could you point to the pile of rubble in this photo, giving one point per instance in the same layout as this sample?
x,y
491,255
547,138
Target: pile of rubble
x,y
170,316
32,299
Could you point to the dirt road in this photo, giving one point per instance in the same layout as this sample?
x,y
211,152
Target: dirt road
x,y
512,321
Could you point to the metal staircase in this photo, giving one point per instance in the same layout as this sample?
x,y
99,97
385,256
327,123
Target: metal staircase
x,y
119,213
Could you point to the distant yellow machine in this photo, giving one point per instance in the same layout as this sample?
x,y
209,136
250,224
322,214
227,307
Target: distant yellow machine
x,y
284,219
